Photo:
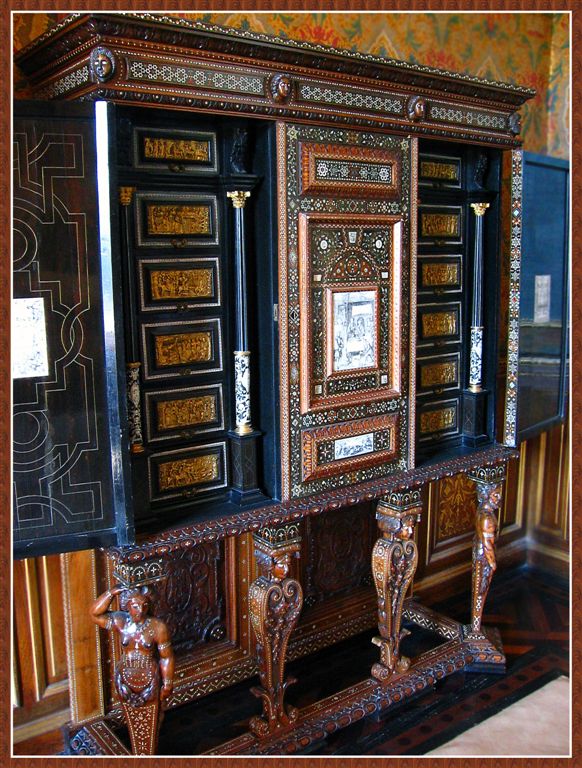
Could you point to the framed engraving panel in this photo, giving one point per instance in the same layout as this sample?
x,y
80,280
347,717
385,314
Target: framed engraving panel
x,y
175,219
439,171
440,274
184,348
439,323
183,413
440,225
349,171
349,275
348,446
437,373
174,150
438,419
172,284
186,473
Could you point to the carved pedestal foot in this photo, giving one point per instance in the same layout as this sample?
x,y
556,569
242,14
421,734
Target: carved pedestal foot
x,y
394,560
489,483
275,603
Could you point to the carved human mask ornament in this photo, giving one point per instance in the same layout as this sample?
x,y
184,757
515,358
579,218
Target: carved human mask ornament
x,y
515,123
281,88
102,63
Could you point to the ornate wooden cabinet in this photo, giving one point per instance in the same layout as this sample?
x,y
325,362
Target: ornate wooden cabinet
x,y
271,287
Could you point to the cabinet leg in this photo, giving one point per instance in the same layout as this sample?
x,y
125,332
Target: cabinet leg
x,y
394,560
489,484
275,602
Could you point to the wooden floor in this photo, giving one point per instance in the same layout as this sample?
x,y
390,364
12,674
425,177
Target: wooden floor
x,y
529,607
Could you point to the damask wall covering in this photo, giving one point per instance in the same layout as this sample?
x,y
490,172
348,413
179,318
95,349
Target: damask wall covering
x,y
530,49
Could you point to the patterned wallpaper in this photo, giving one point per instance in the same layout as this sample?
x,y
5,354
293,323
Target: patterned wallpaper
x,y
530,49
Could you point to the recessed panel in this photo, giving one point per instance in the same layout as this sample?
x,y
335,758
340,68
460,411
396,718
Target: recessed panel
x,y
438,420
440,274
183,413
440,224
175,219
439,323
439,171
181,349
437,373
172,284
186,473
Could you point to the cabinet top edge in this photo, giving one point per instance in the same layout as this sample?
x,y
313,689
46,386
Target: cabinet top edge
x,y
198,35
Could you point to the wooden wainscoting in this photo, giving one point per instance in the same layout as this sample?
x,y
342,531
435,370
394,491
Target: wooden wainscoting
x,y
40,683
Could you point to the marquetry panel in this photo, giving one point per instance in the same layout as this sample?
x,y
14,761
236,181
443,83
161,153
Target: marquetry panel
x,y
174,150
348,446
183,413
457,507
185,473
440,225
437,373
175,219
349,171
439,171
439,323
438,419
172,284
40,674
440,274
182,348
345,268
349,276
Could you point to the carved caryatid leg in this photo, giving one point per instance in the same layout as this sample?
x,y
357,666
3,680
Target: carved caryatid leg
x,y
144,673
394,560
275,602
489,482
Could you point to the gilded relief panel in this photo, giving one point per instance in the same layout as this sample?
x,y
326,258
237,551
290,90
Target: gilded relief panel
x,y
438,419
183,413
440,224
185,473
172,284
439,171
437,373
175,150
439,274
182,348
440,323
175,219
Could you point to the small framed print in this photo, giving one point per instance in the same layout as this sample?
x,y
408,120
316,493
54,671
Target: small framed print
x,y
352,330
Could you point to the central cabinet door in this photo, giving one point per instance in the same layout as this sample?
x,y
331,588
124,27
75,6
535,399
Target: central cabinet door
x,y
347,278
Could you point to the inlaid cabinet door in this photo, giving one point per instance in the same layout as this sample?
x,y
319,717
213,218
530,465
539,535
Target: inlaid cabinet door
x,y
347,324
68,453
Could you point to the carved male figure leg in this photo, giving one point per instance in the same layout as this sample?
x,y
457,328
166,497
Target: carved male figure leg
x,y
144,674
394,560
489,484
275,602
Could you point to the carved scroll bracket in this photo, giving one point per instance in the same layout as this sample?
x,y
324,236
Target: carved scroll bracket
x,y
489,483
394,560
275,602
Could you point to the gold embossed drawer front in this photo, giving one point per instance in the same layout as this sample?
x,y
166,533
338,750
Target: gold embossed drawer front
x,y
169,284
439,171
439,274
185,473
183,348
439,323
440,225
174,150
167,219
436,374
183,413
438,420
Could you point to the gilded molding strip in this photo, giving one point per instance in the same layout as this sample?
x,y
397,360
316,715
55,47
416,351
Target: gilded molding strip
x,y
511,382
183,348
180,284
163,219
185,472
192,411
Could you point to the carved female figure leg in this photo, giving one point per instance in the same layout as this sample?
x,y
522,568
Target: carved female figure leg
x,y
394,560
275,603
489,483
